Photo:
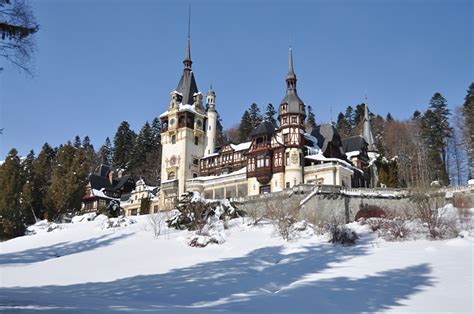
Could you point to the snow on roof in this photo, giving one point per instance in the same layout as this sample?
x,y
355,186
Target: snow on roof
x,y
181,107
207,178
353,153
100,193
241,146
321,157
210,155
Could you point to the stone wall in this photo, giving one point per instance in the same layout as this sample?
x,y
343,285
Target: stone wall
x,y
326,203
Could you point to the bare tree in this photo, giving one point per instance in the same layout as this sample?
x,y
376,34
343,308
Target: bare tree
x,y
17,27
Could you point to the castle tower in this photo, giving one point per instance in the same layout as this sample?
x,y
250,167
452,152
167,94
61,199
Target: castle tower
x,y
211,130
183,135
372,151
292,114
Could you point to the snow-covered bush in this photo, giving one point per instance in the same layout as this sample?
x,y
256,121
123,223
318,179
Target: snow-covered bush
x,y
117,222
429,209
194,212
112,210
342,234
42,226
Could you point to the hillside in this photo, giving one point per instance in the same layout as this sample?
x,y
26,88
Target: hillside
x,y
84,267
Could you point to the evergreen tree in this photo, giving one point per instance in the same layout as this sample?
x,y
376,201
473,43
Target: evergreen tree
x,y
145,161
359,114
42,169
416,114
311,118
68,181
436,131
156,129
343,126
31,195
255,115
468,113
245,126
389,117
77,142
220,138
12,222
349,116
270,114
124,142
106,153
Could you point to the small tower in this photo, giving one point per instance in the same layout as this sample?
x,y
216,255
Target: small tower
x,y
211,128
372,151
292,114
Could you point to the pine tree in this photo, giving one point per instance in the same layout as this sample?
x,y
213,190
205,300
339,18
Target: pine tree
x,y
143,145
311,118
270,114
468,113
42,168
245,126
124,141
30,196
12,222
349,116
77,142
436,131
68,181
343,126
255,115
106,153
220,138
389,117
359,114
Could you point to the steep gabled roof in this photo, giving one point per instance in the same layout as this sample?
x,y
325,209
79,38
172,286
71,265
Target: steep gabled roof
x,y
354,143
187,86
263,128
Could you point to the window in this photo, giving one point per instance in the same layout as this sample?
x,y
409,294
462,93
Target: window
x,y
294,120
195,175
171,176
195,161
173,139
287,185
155,209
285,120
286,138
287,155
260,161
196,140
265,189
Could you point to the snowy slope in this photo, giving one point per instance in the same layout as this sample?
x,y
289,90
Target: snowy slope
x,y
84,268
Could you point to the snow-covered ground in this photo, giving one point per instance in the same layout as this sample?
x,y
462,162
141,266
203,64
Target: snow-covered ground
x,y
82,267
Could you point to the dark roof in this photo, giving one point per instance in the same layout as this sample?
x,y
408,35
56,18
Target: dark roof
x,y
354,143
294,102
120,181
265,127
98,182
103,170
325,134
187,86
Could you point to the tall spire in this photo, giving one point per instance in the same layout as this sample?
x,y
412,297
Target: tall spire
x,y
367,130
187,58
291,77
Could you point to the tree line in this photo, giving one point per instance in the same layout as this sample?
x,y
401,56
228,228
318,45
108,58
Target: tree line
x,y
434,146
54,182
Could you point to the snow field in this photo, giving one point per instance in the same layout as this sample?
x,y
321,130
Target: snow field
x,y
86,267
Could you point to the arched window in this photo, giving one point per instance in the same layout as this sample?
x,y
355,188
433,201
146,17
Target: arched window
x,y
196,140
171,176
173,139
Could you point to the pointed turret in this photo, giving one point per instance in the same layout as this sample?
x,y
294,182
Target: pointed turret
x,y
187,84
293,102
367,130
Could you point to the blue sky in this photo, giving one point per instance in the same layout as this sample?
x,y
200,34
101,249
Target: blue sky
x,y
101,62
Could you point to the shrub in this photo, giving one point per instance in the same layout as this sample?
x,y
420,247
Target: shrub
x,y
370,211
342,234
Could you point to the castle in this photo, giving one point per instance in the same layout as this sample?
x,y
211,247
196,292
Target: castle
x,y
276,157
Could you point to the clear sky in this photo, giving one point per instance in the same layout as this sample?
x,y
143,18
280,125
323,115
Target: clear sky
x,y
101,62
